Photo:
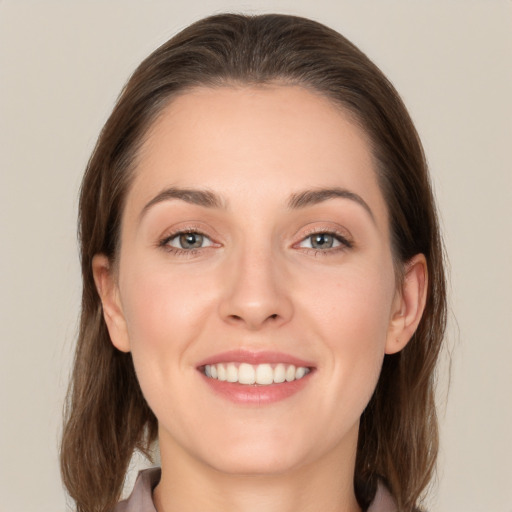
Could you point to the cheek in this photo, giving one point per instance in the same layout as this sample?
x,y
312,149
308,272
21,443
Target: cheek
x,y
352,304
352,317
164,313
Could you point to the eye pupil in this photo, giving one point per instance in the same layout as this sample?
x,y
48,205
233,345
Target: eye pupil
x,y
321,241
191,240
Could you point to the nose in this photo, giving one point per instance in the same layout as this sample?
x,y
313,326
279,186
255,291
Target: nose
x,y
256,292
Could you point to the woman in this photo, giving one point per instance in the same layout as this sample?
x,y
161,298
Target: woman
x,y
263,282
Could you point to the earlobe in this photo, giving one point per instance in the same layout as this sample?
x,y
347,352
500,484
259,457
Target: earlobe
x,y
112,309
409,304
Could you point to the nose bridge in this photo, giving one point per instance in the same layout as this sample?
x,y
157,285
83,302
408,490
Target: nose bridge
x,y
255,292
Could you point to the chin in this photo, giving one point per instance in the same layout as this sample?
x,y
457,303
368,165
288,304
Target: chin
x,y
264,450
256,461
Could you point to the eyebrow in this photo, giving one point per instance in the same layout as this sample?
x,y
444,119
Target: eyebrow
x,y
298,200
316,196
199,197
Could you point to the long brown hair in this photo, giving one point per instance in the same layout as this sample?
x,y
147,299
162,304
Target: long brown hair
x,y
107,417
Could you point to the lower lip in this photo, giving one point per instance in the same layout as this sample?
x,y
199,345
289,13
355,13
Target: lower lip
x,y
253,394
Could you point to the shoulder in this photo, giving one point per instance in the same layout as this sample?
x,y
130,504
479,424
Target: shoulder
x,y
141,498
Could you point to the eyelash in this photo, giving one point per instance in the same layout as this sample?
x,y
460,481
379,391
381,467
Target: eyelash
x,y
164,243
345,243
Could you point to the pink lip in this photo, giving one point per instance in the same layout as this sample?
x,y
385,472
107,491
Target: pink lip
x,y
243,394
250,357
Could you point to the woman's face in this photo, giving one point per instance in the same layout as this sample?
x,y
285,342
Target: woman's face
x,y
255,245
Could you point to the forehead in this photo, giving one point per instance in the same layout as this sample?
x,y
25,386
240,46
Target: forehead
x,y
248,141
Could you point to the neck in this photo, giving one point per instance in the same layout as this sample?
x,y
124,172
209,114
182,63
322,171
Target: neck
x,y
188,485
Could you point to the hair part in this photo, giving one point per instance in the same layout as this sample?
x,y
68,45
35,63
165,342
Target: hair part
x,y
107,417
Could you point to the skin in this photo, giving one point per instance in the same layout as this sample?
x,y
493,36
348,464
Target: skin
x,y
257,284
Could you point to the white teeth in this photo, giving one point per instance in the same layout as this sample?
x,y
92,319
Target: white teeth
x,y
300,372
290,373
221,372
279,373
246,374
262,374
231,373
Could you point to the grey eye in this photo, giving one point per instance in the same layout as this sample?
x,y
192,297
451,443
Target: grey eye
x,y
320,241
189,241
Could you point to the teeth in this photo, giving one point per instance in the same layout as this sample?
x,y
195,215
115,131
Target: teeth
x,y
300,372
246,374
231,373
262,374
279,373
290,373
221,372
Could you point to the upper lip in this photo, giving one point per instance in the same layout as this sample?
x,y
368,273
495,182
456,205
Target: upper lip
x,y
255,357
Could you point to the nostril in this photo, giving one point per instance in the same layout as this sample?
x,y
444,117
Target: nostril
x,y
241,318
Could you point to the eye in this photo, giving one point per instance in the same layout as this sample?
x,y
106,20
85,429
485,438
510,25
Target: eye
x,y
187,241
324,241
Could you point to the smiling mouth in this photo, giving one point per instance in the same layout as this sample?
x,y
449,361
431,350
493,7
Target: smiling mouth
x,y
255,374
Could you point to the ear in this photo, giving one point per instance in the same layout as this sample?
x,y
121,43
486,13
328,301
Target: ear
x,y
408,304
108,291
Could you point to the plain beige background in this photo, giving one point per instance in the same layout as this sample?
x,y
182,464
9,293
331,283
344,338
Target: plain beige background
x,y
62,64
